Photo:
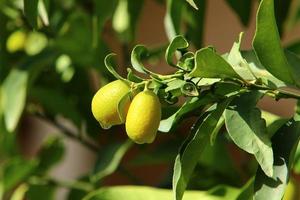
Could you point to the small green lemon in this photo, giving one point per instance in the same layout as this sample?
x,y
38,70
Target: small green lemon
x,y
16,41
143,117
105,103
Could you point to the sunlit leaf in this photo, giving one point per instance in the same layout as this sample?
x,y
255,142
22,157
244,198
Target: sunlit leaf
x,y
272,55
247,120
192,148
208,65
150,193
284,143
14,97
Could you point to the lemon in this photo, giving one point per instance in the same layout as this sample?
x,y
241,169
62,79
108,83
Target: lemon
x,y
143,117
291,191
105,104
16,41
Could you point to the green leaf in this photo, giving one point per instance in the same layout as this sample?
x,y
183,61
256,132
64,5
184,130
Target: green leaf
x,y
51,153
273,122
31,11
242,9
254,138
238,63
173,18
192,148
37,192
109,159
190,89
192,104
55,101
122,105
284,143
16,170
125,18
282,10
247,191
267,45
195,20
150,193
208,64
178,43
192,3
104,10
14,97
138,53
260,72
108,61
132,77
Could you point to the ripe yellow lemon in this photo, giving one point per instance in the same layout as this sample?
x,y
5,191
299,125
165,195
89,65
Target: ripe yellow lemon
x,y
105,103
143,117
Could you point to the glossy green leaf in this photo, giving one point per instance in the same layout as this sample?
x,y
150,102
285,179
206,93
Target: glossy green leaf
x,y
109,159
254,138
192,104
173,18
242,9
31,11
138,53
108,61
208,64
51,153
192,148
14,97
272,55
178,43
150,193
284,143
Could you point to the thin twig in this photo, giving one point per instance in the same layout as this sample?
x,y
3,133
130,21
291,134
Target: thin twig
x,y
68,133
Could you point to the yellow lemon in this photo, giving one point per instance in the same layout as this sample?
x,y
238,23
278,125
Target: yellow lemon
x,y
143,117
105,104
291,191
16,41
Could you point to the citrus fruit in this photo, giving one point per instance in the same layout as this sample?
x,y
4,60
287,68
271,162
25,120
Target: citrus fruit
x,y
105,104
16,41
143,117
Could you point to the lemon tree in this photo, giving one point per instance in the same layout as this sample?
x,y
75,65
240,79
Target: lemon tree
x,y
195,132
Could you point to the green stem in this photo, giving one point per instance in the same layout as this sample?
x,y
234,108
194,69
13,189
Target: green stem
x,y
78,185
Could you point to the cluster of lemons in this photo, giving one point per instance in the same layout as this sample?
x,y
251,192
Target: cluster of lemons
x,y
141,116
